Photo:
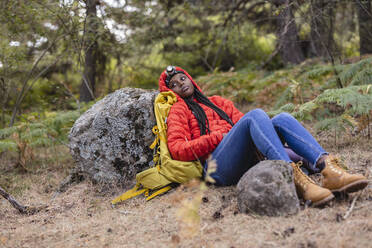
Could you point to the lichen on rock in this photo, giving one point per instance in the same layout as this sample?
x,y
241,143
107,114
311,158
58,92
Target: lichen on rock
x,y
110,141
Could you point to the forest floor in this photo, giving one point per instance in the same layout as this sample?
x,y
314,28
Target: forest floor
x,y
83,217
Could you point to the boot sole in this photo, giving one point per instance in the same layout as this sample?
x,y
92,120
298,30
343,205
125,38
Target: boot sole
x,y
352,187
323,201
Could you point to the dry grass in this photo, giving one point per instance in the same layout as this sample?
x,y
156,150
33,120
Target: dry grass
x,y
81,217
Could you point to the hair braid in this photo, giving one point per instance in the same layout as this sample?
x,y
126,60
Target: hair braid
x,y
199,113
203,99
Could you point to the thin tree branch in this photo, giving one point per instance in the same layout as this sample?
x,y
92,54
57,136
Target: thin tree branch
x,y
22,209
330,55
204,59
272,55
88,85
364,8
220,48
25,82
70,93
351,208
38,76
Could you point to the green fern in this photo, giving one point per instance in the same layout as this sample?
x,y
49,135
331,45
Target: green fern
x,y
6,132
322,71
362,77
8,145
305,110
354,99
330,123
333,107
49,130
351,72
289,107
42,142
284,97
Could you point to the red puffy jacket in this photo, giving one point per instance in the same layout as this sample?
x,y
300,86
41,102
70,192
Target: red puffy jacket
x,y
184,140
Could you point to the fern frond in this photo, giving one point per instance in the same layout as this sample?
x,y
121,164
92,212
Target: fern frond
x,y
305,110
330,123
41,141
6,132
289,107
352,70
350,98
35,125
33,134
284,97
8,145
322,70
359,104
348,119
362,77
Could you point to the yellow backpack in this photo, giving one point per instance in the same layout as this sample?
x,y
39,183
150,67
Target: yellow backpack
x,y
166,171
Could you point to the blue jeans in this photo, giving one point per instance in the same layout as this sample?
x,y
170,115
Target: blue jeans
x,y
237,151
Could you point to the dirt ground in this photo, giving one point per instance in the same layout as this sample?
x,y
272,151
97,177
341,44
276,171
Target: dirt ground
x,y
83,217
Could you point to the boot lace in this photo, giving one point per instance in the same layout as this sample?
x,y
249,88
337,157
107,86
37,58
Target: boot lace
x,y
300,174
336,164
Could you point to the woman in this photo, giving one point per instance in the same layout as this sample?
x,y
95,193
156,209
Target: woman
x,y
200,126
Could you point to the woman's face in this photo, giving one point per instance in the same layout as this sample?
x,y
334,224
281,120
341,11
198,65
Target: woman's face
x,y
181,85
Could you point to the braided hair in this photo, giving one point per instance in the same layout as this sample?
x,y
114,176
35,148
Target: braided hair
x,y
199,113
196,109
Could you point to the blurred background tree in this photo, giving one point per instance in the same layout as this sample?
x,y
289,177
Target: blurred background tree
x,y
56,54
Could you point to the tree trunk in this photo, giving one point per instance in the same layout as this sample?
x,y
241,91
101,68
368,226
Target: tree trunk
x,y
365,25
87,86
4,96
288,40
322,43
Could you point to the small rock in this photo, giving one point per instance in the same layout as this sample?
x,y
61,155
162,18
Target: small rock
x,y
287,232
311,244
308,244
268,189
84,235
339,217
217,215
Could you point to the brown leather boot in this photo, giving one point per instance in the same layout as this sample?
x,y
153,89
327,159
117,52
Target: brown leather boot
x,y
308,189
338,180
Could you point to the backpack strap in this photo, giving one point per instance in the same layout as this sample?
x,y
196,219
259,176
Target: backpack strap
x,y
159,192
129,194
135,192
155,131
156,144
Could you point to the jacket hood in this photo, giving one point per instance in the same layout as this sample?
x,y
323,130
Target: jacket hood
x,y
163,87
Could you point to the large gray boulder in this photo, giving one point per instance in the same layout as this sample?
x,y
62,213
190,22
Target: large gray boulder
x,y
110,141
268,189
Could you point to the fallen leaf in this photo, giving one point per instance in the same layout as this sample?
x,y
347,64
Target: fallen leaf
x,y
3,239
